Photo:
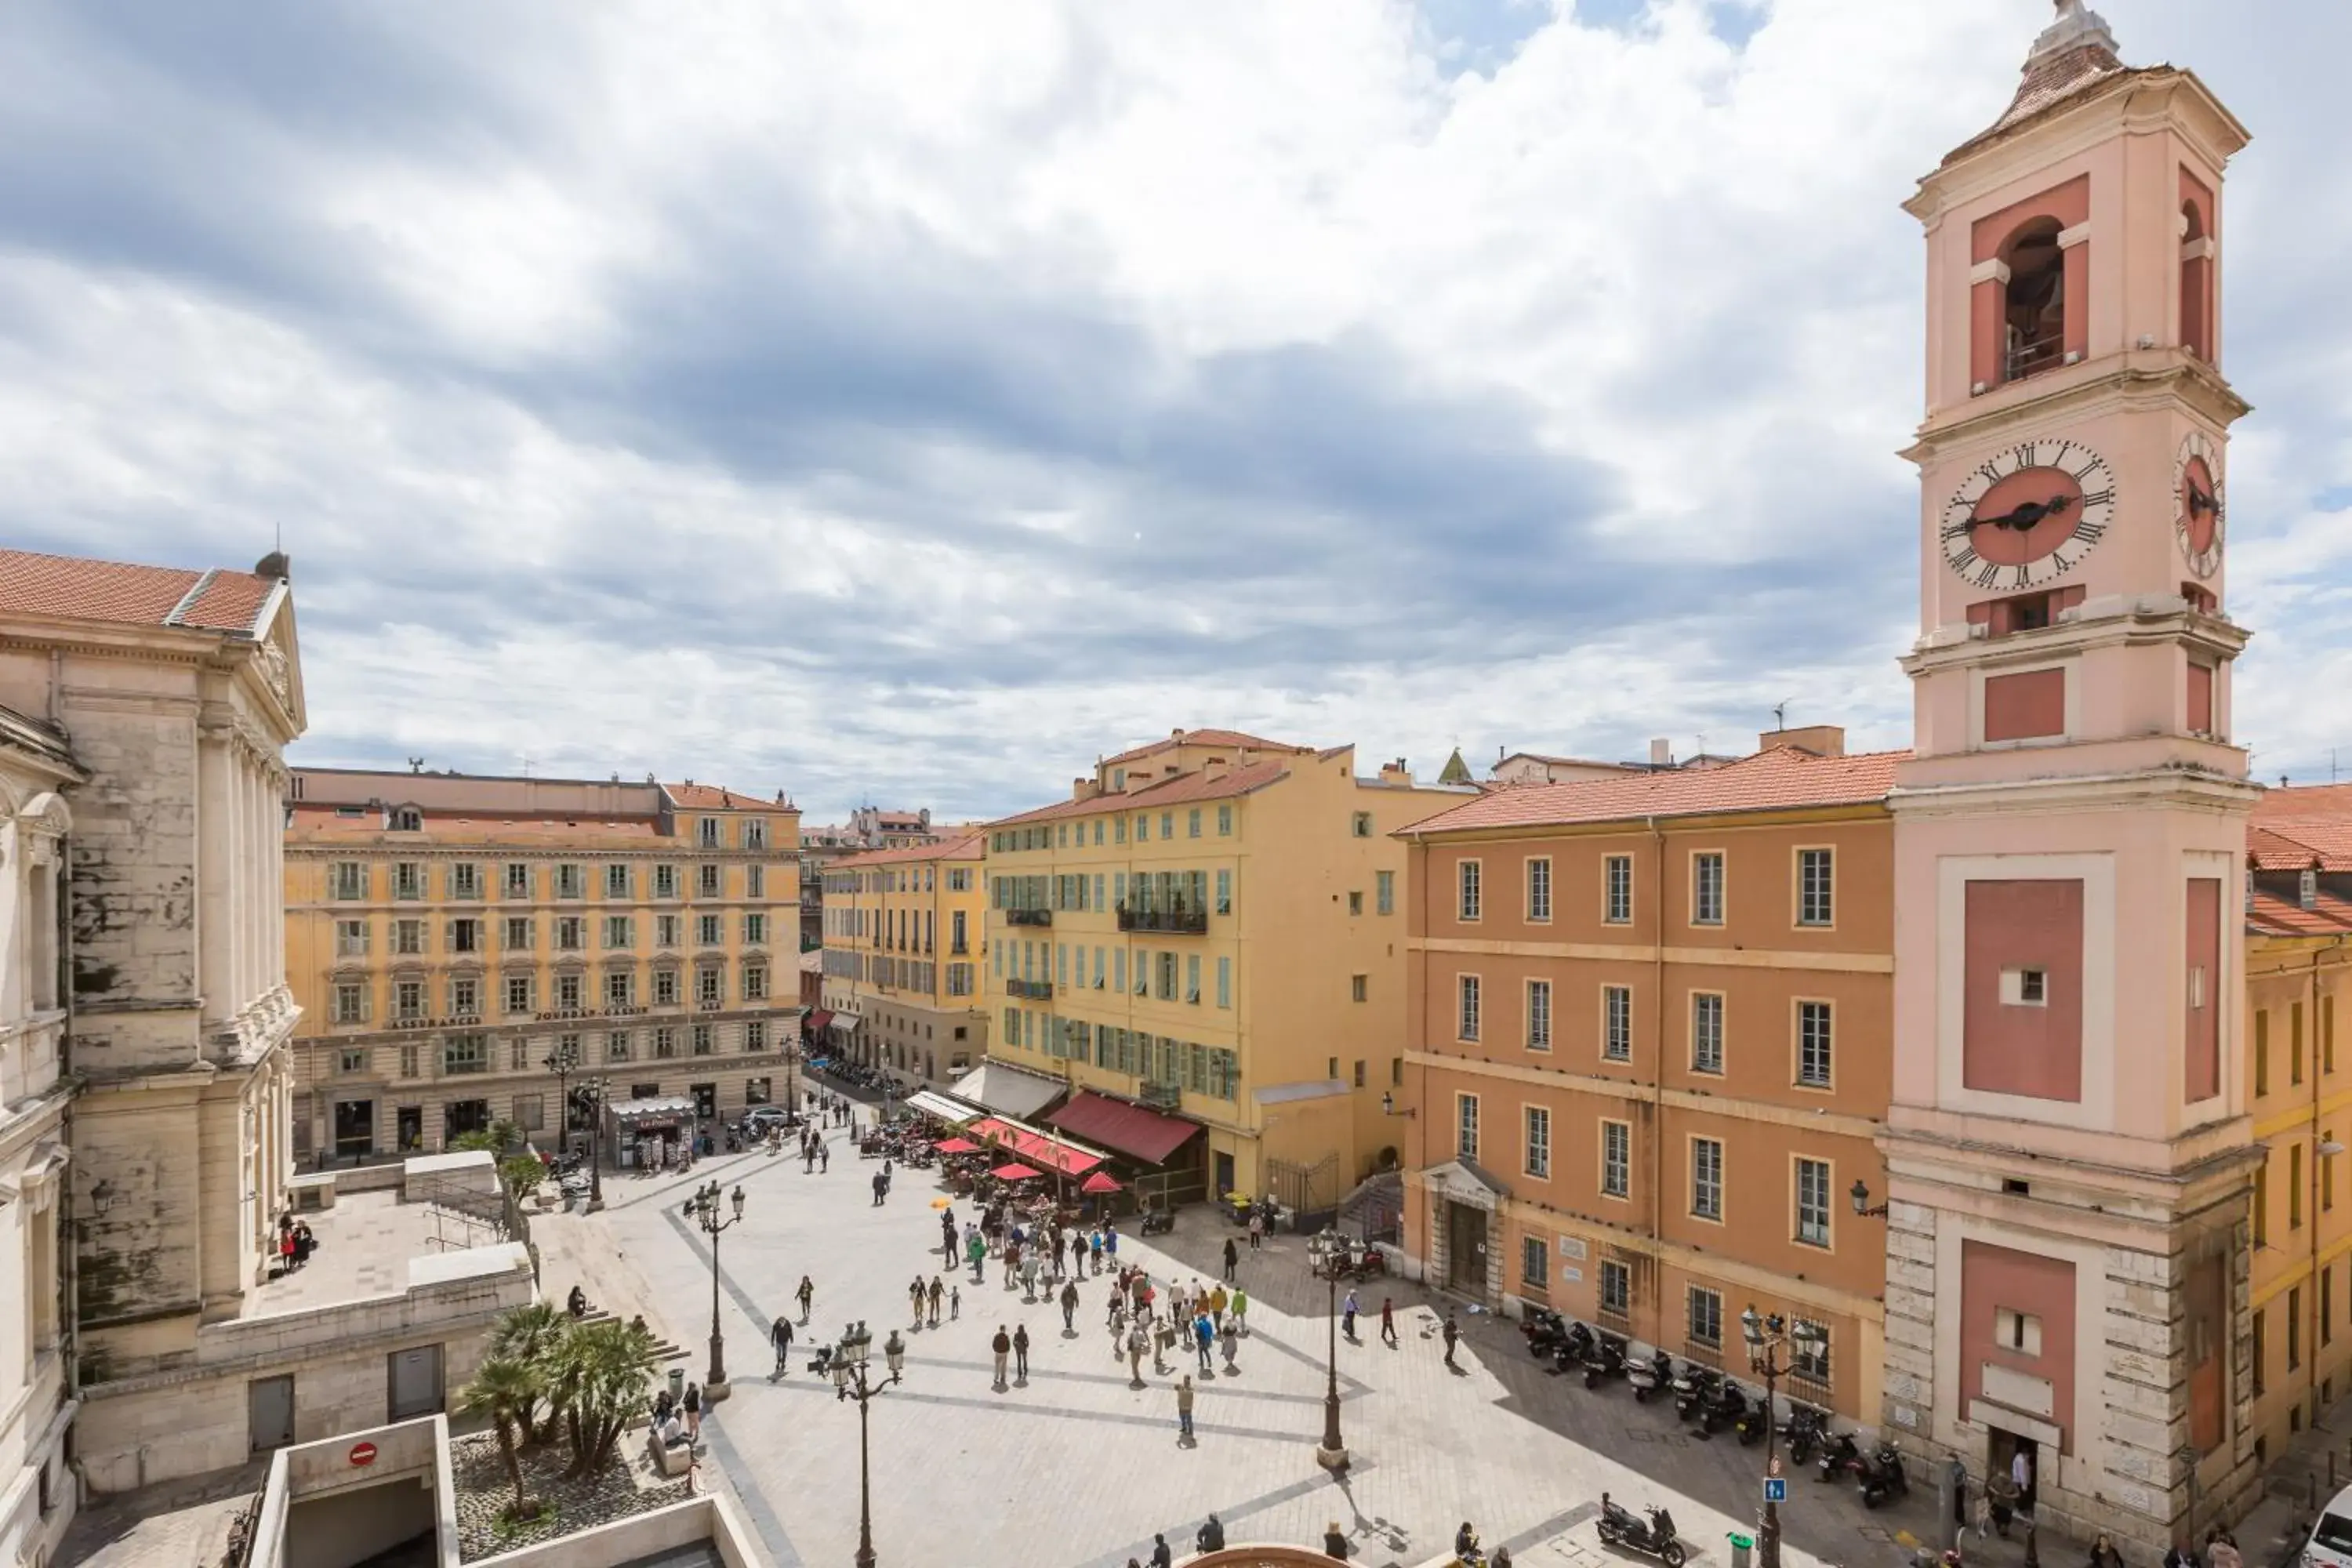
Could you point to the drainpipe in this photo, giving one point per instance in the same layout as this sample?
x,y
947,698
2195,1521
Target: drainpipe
x,y
1657,1067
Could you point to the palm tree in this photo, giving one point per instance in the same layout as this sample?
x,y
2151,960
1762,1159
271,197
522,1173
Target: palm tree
x,y
503,1387
605,1370
532,1335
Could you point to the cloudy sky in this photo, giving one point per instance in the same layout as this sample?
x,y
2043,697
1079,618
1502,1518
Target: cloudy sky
x,y
914,401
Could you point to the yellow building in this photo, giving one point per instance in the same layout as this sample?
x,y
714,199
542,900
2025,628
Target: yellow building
x,y
1206,943
2298,964
903,930
450,939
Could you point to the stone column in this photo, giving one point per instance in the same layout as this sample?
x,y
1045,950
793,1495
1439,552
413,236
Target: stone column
x,y
216,879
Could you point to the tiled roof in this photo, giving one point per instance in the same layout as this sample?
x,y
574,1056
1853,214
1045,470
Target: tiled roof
x,y
711,797
2274,916
967,848
2295,825
1782,779
1234,738
1184,789
65,587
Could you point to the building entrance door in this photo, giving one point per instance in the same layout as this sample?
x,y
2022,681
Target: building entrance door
x,y
415,1382
460,1116
2003,1452
354,1128
1466,1250
705,1102
270,1413
409,1122
1223,1163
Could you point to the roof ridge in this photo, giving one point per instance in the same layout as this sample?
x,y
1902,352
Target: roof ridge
x,y
179,613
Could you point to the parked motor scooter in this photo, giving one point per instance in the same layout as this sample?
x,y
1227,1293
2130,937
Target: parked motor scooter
x,y
1804,1429
1725,1406
1883,1476
1655,1375
1543,1329
1606,1359
1838,1459
1570,1349
1752,1423
1653,1537
1693,1390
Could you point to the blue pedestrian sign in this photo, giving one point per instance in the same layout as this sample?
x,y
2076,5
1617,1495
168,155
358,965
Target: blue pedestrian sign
x,y
1776,1488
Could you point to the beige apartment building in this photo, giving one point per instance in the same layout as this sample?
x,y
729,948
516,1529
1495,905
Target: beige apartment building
x,y
1206,943
454,940
903,930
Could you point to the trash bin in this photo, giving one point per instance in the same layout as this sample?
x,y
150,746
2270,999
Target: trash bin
x,y
1741,1546
678,1383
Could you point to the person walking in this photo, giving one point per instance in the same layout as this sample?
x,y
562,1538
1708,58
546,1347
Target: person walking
x,y
1231,1338
1233,1258
1029,1277
1348,1310
1135,1356
2102,1550
1095,1245
976,1248
1256,1229
955,1303
806,1294
1069,1307
1184,1426
780,1335
880,1183
948,1235
693,1405
1021,1353
1388,1322
1241,1311
938,1288
2222,1549
1204,1340
823,1155
1110,1239
1452,1335
919,1296
1003,1346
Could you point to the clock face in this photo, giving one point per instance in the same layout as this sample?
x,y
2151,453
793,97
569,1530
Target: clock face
x,y
2202,515
2027,515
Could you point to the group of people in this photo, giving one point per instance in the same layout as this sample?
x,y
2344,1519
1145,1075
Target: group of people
x,y
1201,1319
1053,1252
295,1243
927,1296
679,1420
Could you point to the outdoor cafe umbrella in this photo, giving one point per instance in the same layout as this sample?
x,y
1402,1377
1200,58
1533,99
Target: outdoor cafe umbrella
x,y
1010,1173
957,1146
1101,1182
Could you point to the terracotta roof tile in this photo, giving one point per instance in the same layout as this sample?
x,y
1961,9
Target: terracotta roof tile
x,y
711,797
1179,791
968,848
1234,738
2295,825
67,587
2274,916
1778,780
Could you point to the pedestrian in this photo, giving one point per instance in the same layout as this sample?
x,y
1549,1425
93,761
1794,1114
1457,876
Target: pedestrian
x,y
693,1404
1110,1239
2183,1555
1233,1258
1184,1422
1205,1339
1452,1334
1256,1229
1160,1557
2222,1549
1135,1356
1218,1302
1002,1345
880,1181
823,1155
1021,1353
955,1303
1240,1312
1233,1342
1095,1244
1029,1275
1335,1542
781,1335
1069,1307
938,1289
1163,1339
1348,1310
976,1249
807,1294
917,1295
2102,1550
1212,1537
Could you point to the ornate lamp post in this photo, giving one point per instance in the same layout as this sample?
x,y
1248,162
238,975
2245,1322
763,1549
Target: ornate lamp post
x,y
1326,1251
562,1060
1767,1339
595,1092
851,1359
705,1210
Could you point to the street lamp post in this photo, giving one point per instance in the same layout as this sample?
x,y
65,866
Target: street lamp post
x,y
596,1147
1333,1452
562,1060
851,1359
1767,1339
705,1209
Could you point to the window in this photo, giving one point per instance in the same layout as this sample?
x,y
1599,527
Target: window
x,y
570,934
352,1060
1707,1178
517,880
1616,1159
1363,825
518,935
665,1042
1225,980
530,1112
350,939
1539,1143
1705,1318
707,833
1809,1352
1224,823
2294,1327
1192,824
2262,1051
1469,1009
710,985
1384,892
1617,890
408,819
1538,1014
411,1061
1467,875
408,880
567,993
665,987
2016,1330
2022,987
517,993
1539,889
351,880
618,933
1225,894
619,984
1166,824
351,1003
1616,1289
1355,901
665,881
755,1040
1815,881
1535,1262
1706,888
1813,1202
2294,1186
710,931
465,936
1616,1024
464,880
616,881
1466,1126
466,1054
1192,978
1813,1044
569,883
703,1040
408,938
1359,1072
708,880
1706,1031
755,833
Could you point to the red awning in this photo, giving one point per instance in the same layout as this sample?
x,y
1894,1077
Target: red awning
x,y
818,1018
957,1146
1050,1153
1132,1129
1014,1173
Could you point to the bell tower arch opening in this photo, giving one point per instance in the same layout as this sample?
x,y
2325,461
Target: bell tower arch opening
x,y
2033,299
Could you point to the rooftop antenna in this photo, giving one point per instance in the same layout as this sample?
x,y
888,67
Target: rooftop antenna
x,y
416,764
1780,714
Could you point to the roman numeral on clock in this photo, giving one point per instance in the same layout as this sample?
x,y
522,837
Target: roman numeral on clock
x,y
1987,575
2090,532
2098,498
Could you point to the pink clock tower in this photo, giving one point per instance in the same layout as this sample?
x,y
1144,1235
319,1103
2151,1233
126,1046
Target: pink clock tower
x,y
2068,1151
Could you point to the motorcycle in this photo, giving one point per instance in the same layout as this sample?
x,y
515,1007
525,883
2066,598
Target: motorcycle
x,y
1727,1405
1883,1476
1805,1429
1840,1457
1752,1423
1694,1391
1606,1359
1571,1349
1652,1537
1655,1375
1157,1221
1542,1329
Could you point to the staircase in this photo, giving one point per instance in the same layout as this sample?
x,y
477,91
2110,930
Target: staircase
x,y
1375,1210
663,1350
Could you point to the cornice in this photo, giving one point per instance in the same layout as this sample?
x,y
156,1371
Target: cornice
x,y
2086,792
2144,381
2120,622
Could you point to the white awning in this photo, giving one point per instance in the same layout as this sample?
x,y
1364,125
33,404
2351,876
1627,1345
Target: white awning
x,y
948,1111
1008,1091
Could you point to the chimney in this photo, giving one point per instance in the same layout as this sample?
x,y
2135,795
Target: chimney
x,y
1396,773
2307,887
1815,739
1662,752
274,567
1084,789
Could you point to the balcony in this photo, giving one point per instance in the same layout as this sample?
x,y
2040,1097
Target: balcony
x,y
1034,990
1028,916
1179,921
1163,1095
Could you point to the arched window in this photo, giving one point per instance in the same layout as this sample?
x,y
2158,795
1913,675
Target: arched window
x,y
2033,303
2196,283
408,819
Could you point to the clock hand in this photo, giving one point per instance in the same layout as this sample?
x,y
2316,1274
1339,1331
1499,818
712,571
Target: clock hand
x,y
2025,514
2200,502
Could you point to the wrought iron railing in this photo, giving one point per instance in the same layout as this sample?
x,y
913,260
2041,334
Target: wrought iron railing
x,y
1028,916
1182,922
1034,990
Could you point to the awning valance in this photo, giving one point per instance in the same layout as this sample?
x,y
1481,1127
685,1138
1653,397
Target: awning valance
x,y
954,1112
1035,1147
1132,1129
1007,1090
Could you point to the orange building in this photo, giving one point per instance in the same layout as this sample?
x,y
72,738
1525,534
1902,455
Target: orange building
x,y
1650,1051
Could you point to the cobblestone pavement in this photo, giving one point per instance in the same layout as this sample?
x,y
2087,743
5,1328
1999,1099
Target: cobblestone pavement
x,y
1074,1465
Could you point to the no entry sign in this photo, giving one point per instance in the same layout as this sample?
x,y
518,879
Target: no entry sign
x,y
362,1454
